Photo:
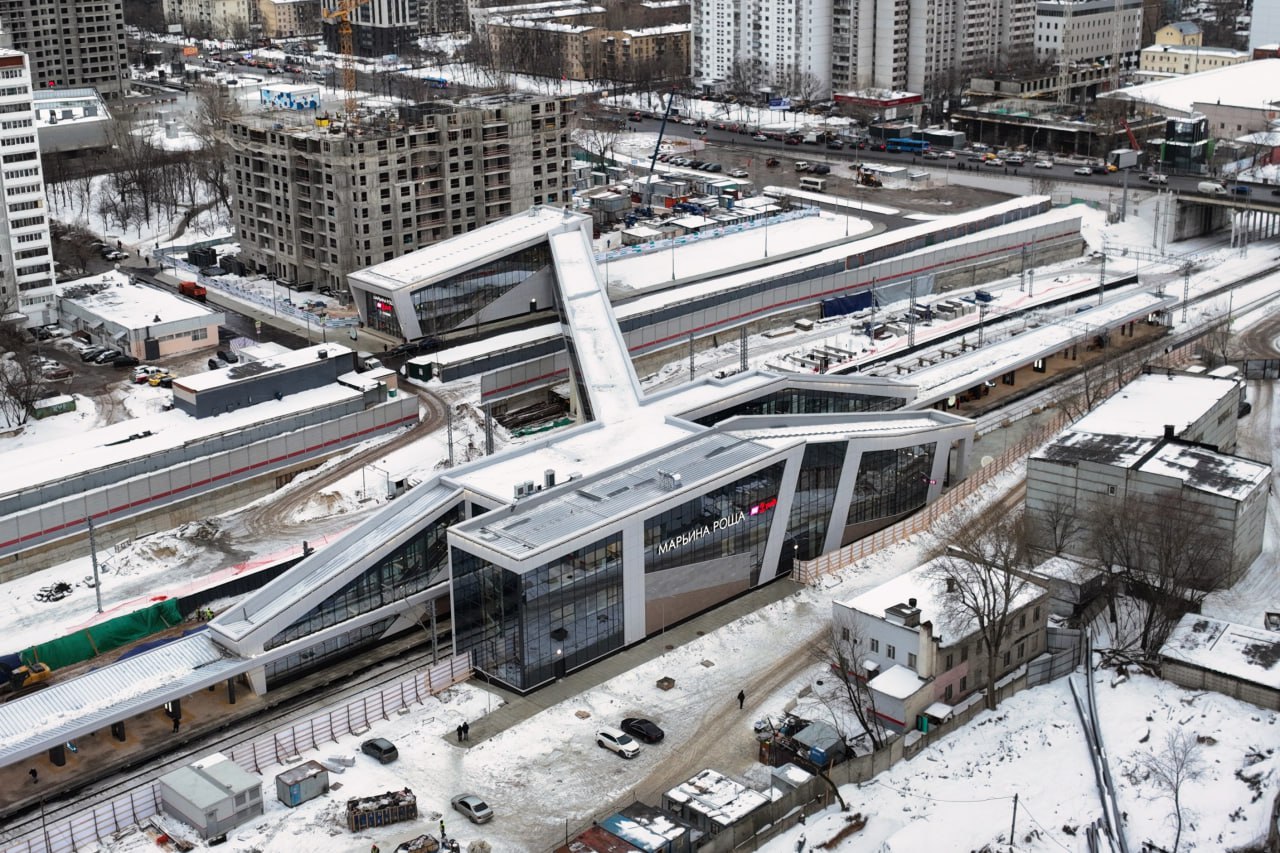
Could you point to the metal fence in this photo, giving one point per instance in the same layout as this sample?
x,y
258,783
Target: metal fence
x,y
92,824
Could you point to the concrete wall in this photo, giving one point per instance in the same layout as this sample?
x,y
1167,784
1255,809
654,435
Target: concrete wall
x,y
1195,678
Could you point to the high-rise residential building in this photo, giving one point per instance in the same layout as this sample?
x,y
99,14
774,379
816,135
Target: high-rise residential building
x,y
26,256
378,27
1088,31
782,47
224,19
70,43
311,206
924,45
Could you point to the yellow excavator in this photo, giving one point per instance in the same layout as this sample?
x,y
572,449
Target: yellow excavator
x,y
23,679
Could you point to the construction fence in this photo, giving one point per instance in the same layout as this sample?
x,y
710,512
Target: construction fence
x,y
285,745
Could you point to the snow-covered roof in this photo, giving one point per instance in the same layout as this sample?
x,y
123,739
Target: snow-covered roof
x,y
715,795
926,585
1065,569
1247,84
233,373
1154,400
898,682
1207,470
1251,654
455,254
136,306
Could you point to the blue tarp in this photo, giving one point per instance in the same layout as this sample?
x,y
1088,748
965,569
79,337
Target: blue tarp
x,y
838,306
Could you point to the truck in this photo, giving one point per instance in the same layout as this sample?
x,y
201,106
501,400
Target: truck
x,y
192,290
366,361
391,807
1124,158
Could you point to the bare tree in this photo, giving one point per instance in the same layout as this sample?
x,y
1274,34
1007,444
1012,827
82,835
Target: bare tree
x,y
1169,558
1174,766
1040,185
979,561
743,79
598,130
1215,344
1056,526
843,652
22,383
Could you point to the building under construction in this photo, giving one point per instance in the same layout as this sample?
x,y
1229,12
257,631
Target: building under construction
x,y
317,197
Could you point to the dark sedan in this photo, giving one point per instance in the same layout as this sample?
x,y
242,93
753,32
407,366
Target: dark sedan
x,y
642,729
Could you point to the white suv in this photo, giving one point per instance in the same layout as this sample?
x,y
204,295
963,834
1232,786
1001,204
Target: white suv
x,y
618,741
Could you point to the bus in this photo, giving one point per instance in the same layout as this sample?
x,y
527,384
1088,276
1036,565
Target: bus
x,y
910,146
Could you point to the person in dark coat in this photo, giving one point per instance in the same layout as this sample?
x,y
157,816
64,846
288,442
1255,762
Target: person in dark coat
x,y
742,697
35,777
458,731
466,730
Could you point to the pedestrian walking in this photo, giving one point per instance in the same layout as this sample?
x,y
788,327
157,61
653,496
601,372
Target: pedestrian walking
x,y
374,849
466,731
442,835
35,777
177,722
458,731
742,697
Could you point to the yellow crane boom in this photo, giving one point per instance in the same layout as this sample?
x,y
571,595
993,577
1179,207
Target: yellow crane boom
x,y
346,48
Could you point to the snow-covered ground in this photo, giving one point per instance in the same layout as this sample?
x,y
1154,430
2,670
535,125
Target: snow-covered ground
x,y
546,774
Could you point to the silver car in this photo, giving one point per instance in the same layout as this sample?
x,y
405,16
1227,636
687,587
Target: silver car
x,y
476,809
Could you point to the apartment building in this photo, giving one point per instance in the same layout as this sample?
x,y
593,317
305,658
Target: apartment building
x,y
378,27
1088,31
533,44
311,206
26,258
780,47
917,45
70,42
229,19
285,19
920,647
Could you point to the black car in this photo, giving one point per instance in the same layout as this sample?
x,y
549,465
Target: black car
x,y
106,356
820,169
214,364
642,729
124,361
91,353
228,356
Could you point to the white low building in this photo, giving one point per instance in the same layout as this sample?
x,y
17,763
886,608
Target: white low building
x,y
1209,654
139,320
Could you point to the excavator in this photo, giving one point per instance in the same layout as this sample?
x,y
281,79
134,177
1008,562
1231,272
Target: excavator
x,y
24,679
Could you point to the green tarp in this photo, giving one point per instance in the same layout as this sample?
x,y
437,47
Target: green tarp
x,y
112,634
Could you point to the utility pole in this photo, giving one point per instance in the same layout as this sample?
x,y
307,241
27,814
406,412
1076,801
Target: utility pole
x,y
742,349
449,428
911,315
93,556
982,318
691,369
1102,274
488,430
1186,290
1013,823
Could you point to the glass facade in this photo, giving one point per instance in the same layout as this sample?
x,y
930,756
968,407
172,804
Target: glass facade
x,y
527,629
312,658
806,401
414,566
442,306
381,315
733,520
891,482
815,497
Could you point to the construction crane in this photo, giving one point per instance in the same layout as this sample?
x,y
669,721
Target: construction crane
x,y
346,48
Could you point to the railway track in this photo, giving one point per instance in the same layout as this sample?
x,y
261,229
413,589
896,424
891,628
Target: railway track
x,y
273,518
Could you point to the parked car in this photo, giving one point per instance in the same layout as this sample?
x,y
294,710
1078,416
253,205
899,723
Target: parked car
x,y
835,144
160,380
739,173
715,167
91,353
760,137
802,165
642,729
228,356
106,356
1083,170
617,741
124,361
214,364
1043,164
1241,189
145,372
475,809
820,169
380,748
